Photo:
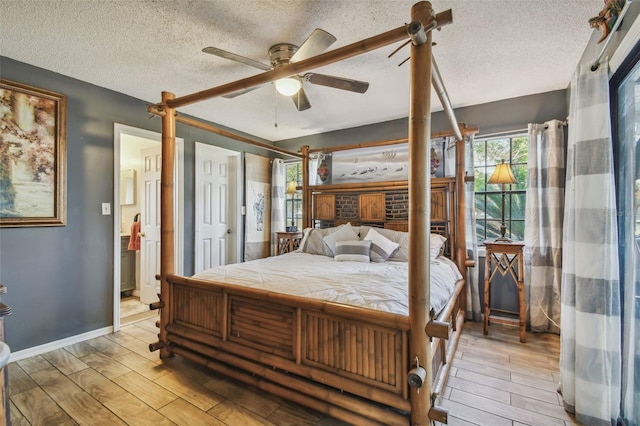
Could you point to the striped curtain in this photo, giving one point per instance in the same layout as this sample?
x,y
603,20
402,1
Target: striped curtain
x,y
278,188
590,341
543,224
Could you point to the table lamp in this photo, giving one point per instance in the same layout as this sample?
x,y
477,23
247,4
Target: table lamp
x,y
291,189
504,176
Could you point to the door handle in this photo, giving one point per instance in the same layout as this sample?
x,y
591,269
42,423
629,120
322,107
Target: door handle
x,y
229,231
141,234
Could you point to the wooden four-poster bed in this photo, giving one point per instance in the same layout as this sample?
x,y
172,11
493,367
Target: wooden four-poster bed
x,y
361,365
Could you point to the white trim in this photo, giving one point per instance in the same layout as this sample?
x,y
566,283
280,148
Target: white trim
x,y
624,48
118,131
58,344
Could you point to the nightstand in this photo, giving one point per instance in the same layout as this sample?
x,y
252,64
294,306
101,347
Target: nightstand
x,y
287,242
506,259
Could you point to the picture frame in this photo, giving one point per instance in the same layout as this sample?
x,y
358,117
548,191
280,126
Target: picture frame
x,y
370,164
33,150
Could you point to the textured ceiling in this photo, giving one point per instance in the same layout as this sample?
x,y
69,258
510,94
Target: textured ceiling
x,y
495,49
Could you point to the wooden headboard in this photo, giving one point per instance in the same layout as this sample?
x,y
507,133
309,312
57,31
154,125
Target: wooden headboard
x,y
383,205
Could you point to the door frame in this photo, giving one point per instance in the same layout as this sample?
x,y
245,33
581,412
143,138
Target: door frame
x,y
236,203
118,131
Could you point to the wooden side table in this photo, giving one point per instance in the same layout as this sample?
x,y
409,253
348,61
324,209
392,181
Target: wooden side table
x,y
506,259
287,242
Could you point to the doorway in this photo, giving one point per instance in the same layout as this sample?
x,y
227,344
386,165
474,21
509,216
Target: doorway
x,y
137,160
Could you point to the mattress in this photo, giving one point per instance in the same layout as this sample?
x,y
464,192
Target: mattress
x,y
378,286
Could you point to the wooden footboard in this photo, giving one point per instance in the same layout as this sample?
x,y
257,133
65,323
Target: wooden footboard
x,y
349,362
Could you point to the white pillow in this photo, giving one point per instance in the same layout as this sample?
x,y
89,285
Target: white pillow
x,y
353,251
305,236
313,242
381,246
400,237
345,233
436,244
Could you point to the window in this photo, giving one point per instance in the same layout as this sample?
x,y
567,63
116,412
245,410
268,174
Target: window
x,y
487,153
293,201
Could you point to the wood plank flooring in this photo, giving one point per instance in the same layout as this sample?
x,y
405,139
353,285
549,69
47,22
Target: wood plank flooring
x,y
115,380
496,380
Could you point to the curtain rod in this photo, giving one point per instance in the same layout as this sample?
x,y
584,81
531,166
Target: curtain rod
x,y
616,25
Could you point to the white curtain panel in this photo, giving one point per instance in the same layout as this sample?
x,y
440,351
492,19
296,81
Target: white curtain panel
x,y
474,311
278,194
590,341
543,224
314,162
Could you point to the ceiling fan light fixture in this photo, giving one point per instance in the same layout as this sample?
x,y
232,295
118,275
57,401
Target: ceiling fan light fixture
x,y
288,86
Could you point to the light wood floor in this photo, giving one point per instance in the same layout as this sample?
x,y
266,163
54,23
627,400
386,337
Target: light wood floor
x,y
115,380
133,310
496,380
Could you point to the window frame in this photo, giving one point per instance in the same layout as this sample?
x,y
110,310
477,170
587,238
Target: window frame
x,y
488,227
293,202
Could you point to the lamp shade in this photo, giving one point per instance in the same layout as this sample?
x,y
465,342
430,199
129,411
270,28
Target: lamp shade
x,y
288,86
291,188
502,175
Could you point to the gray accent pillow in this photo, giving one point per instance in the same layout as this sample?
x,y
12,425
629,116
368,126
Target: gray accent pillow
x,y
353,251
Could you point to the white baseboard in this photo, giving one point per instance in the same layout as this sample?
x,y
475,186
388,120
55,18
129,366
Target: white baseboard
x,y
51,346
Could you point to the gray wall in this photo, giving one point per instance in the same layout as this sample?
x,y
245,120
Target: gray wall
x,y
494,117
60,279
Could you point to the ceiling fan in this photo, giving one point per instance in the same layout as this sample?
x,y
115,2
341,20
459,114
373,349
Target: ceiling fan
x,y
285,53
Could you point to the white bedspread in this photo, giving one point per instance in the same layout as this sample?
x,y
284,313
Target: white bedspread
x,y
379,286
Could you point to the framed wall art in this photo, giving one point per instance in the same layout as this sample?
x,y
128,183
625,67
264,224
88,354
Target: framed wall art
x,y
33,151
372,164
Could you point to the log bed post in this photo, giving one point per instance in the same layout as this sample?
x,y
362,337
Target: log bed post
x,y
420,212
461,234
166,216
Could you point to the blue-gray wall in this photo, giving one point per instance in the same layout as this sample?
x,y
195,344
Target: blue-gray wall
x,y
495,117
60,279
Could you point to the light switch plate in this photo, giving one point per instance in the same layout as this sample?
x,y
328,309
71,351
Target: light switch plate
x,y
106,209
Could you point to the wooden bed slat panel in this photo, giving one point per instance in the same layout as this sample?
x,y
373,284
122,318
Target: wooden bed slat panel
x,y
182,335
193,308
266,326
370,354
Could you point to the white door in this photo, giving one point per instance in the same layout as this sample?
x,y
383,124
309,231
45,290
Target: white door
x,y
216,182
150,225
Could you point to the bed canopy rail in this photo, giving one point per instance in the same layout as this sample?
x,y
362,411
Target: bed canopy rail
x,y
155,110
423,21
354,49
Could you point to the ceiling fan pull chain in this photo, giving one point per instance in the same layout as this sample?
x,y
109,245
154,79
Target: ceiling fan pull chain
x,y
276,107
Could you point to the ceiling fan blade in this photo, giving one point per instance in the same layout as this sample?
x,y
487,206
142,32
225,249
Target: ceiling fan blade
x,y
317,42
337,82
241,92
228,55
301,100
